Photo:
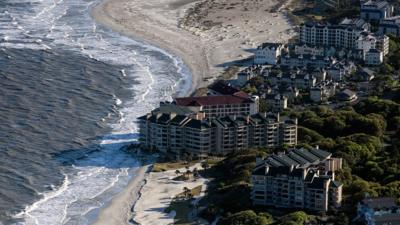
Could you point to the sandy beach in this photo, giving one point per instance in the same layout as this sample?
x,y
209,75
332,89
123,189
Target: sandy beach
x,y
120,209
212,37
157,194
209,36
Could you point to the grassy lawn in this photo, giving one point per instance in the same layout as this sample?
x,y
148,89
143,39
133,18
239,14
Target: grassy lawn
x,y
160,167
183,207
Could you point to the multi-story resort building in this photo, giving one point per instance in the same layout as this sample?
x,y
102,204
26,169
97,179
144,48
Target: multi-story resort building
x,y
341,36
240,103
374,11
344,35
174,133
303,179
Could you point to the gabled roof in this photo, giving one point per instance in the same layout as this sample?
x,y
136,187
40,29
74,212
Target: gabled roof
x,y
270,45
318,182
321,154
335,184
379,203
297,158
224,88
212,100
172,108
179,120
198,124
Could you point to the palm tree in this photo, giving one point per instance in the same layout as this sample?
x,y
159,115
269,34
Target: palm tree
x,y
186,192
188,172
195,172
205,165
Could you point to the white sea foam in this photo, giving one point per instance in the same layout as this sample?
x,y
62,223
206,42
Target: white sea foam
x,y
95,179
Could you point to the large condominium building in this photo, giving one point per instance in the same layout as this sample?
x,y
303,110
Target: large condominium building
x,y
342,36
299,179
375,10
356,37
172,133
239,103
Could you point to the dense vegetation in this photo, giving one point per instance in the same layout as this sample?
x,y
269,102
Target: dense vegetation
x,y
366,136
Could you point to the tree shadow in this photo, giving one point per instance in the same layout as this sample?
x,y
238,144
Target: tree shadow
x,y
239,62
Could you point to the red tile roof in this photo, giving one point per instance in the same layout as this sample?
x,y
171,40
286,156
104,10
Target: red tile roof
x,y
212,100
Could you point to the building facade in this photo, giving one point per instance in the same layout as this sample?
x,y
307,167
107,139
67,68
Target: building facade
x,y
341,36
178,134
239,103
374,11
299,179
277,102
390,26
296,79
323,91
268,53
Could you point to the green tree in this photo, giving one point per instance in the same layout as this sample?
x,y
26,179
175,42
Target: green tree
x,y
247,217
296,218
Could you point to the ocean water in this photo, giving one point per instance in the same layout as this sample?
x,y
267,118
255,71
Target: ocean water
x,y
70,93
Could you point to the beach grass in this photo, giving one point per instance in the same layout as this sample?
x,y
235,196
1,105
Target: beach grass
x,y
161,167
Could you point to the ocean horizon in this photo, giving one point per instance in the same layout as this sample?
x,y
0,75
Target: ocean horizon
x,y
71,92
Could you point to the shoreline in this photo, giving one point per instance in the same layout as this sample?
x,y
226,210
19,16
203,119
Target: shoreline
x,y
173,42
120,209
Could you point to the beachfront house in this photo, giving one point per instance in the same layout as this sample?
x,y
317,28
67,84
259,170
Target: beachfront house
x,y
268,53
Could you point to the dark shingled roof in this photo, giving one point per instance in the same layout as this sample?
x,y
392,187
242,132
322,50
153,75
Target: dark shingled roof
x,y
285,160
318,182
321,154
212,100
385,219
198,124
378,203
270,45
179,120
172,108
259,171
162,119
306,155
335,184
297,157
223,88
